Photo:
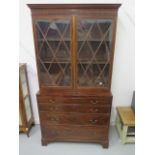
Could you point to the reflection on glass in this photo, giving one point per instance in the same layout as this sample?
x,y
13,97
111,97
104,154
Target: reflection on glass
x,y
55,76
22,76
54,47
23,82
94,51
27,108
25,89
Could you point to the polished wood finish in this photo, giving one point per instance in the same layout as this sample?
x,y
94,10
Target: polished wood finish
x,y
26,121
74,6
74,107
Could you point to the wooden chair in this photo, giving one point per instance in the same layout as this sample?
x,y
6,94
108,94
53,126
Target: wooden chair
x,y
125,124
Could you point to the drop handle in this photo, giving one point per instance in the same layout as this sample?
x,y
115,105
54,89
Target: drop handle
x,y
51,101
93,121
54,119
94,109
54,108
94,102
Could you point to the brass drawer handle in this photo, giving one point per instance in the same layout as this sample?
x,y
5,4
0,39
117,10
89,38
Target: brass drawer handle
x,y
94,109
51,101
53,119
93,121
53,108
94,102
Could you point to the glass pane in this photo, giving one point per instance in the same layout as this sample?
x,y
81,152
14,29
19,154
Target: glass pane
x,y
94,52
23,82
27,108
25,89
54,48
57,74
22,76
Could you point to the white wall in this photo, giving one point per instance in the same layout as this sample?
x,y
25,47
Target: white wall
x,y
123,82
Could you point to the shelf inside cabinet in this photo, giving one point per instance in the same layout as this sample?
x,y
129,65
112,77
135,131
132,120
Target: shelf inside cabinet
x,y
78,63
54,39
94,40
68,40
58,61
96,61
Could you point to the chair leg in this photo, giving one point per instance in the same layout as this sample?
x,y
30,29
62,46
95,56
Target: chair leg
x,y
124,134
118,125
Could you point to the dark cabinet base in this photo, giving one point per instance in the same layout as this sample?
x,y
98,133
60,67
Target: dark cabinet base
x,y
90,134
75,119
105,144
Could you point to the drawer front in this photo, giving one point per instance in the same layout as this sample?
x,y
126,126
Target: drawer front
x,y
77,133
76,100
80,108
74,118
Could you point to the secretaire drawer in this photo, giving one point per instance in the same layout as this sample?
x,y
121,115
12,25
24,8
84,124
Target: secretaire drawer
x,y
74,118
77,100
80,108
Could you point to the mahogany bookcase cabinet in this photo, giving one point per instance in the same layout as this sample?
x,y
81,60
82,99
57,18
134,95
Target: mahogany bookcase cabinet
x,y
74,46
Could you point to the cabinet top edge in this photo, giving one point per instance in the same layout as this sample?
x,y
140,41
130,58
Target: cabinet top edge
x,y
74,6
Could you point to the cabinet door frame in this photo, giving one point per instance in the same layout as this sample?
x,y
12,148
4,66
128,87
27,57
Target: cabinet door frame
x,y
73,46
52,17
99,16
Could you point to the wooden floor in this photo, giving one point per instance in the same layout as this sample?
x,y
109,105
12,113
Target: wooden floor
x,y
32,146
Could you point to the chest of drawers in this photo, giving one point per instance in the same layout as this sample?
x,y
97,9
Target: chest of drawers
x,y
79,118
